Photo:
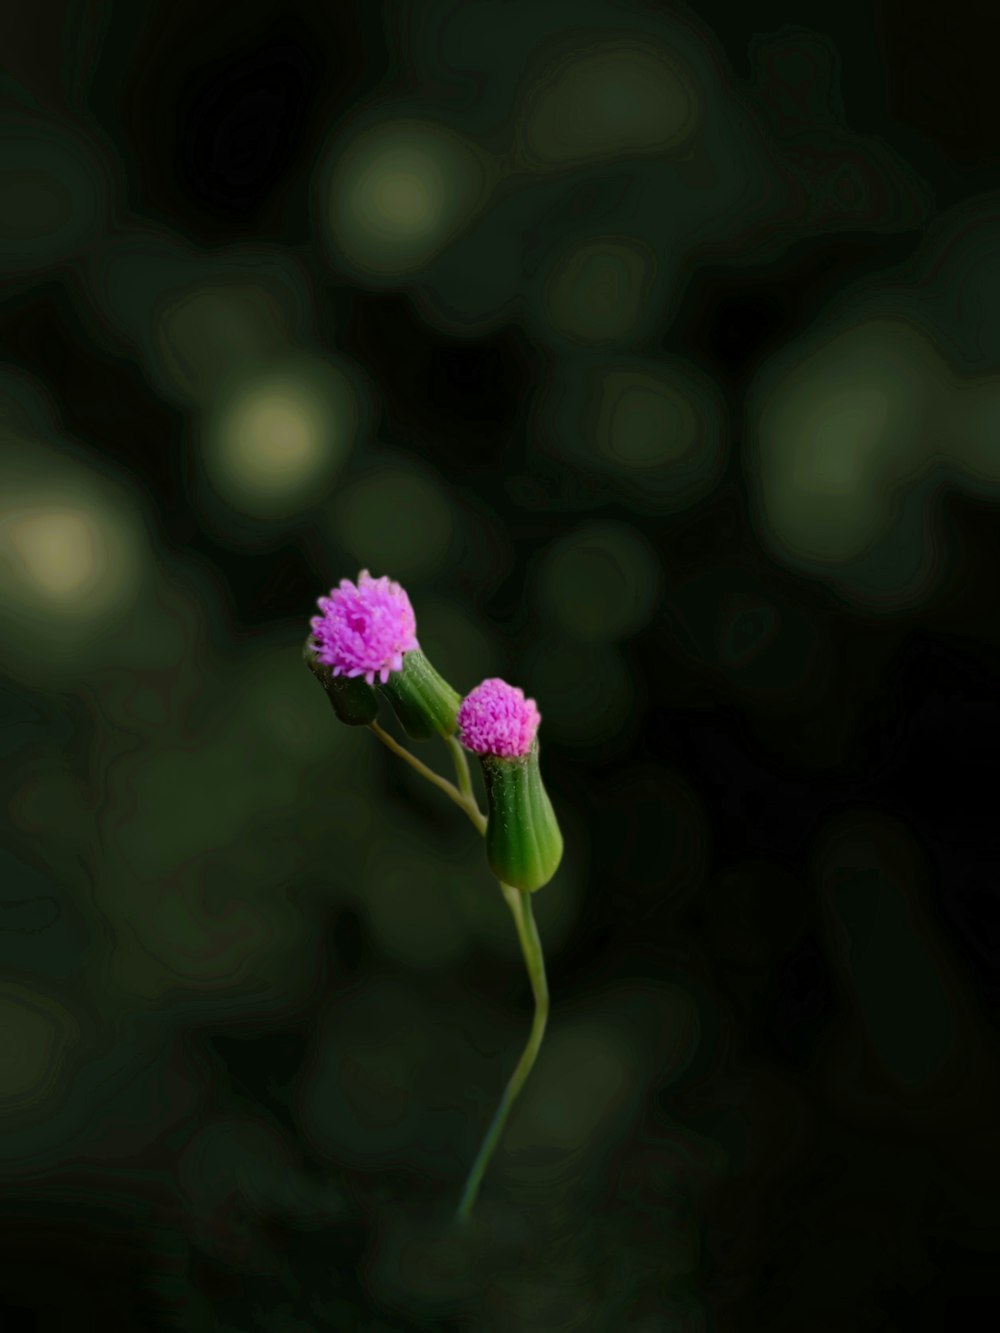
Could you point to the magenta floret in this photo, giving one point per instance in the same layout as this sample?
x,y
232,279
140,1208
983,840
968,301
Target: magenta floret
x,y
496,718
365,628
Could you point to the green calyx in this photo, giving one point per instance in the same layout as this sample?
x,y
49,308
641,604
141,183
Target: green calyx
x,y
523,843
353,699
424,702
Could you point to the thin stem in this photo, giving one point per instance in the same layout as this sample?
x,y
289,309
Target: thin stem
x,y
461,766
465,782
447,787
531,946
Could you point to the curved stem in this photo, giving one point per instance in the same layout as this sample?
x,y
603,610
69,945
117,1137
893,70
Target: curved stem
x,y
461,766
465,782
531,946
447,787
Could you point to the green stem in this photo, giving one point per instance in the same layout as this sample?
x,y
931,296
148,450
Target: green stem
x,y
465,783
531,946
447,787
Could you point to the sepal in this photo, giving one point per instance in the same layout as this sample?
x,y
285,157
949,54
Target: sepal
x,y
524,844
352,699
424,702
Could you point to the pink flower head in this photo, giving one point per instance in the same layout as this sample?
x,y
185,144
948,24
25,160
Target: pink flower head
x,y
496,718
365,628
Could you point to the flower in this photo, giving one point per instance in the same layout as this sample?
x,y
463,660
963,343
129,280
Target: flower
x,y
523,843
496,718
365,629
369,630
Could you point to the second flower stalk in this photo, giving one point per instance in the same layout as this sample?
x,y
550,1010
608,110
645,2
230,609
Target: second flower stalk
x,y
365,640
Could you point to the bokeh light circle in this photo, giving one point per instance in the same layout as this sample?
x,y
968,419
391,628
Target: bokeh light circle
x,y
400,192
72,559
839,429
609,100
273,440
597,290
601,583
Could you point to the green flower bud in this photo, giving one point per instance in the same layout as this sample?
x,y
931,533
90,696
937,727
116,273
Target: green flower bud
x,y
424,702
523,842
352,698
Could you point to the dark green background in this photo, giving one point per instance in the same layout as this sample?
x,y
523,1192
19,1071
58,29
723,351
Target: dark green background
x,y
677,405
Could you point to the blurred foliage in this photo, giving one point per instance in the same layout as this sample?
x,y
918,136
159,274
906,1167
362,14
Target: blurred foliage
x,y
662,365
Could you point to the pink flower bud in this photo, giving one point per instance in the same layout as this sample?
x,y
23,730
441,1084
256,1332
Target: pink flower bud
x,y
496,718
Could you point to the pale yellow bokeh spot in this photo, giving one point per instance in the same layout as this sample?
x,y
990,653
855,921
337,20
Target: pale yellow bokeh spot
x,y
397,198
276,437
402,191
273,439
69,559
60,550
